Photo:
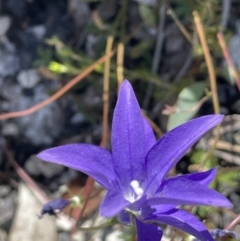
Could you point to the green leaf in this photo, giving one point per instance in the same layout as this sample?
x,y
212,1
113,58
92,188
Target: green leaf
x,y
198,156
147,15
229,178
186,105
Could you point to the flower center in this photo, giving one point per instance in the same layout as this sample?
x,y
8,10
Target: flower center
x,y
137,192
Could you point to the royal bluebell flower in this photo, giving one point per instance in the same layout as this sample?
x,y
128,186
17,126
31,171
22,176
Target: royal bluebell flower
x,y
135,171
54,207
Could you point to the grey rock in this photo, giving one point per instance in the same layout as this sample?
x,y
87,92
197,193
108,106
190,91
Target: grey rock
x,y
36,167
5,23
38,31
9,61
63,236
10,90
7,209
28,78
77,118
92,97
3,235
91,43
26,226
115,235
9,129
4,190
16,8
80,12
67,176
107,9
43,126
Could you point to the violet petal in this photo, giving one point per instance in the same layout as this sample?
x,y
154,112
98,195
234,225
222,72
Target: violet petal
x,y
128,138
112,204
204,178
184,221
164,155
182,191
124,217
92,160
148,232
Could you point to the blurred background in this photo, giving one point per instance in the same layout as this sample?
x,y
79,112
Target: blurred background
x,y
183,60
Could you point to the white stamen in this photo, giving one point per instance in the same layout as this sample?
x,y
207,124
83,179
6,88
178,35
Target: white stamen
x,y
136,193
139,191
134,184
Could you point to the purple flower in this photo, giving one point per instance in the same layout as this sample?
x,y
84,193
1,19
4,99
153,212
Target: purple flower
x,y
54,207
135,172
220,234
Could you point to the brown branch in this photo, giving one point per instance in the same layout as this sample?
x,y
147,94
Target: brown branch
x,y
60,92
42,197
209,61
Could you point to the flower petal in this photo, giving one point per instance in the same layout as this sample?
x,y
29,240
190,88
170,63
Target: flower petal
x,y
92,160
173,145
150,139
147,211
128,137
124,217
148,232
185,221
181,191
112,204
55,206
204,178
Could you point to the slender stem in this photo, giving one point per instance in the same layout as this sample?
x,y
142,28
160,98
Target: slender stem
x,y
105,133
179,24
120,60
212,79
60,92
209,61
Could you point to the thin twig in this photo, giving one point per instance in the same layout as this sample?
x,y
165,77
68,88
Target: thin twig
x,y
42,197
72,82
209,62
60,92
172,109
154,126
179,24
233,223
120,60
228,58
212,79
90,181
86,194
105,133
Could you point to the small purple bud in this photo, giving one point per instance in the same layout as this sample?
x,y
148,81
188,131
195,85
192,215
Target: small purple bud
x,y
218,233
54,207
